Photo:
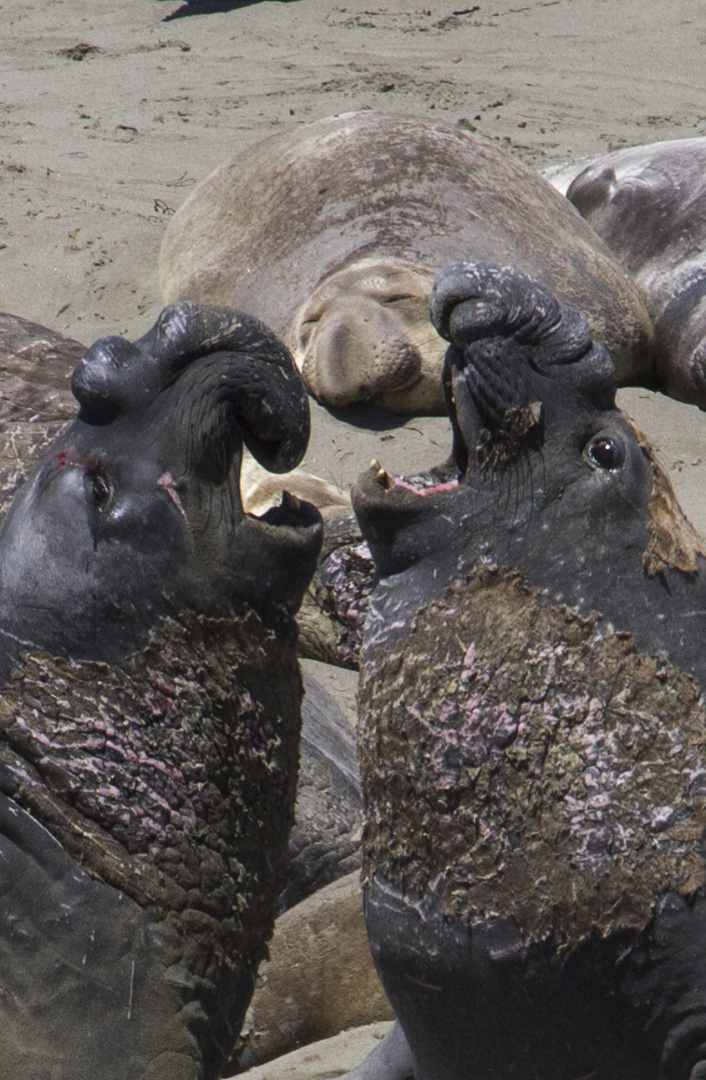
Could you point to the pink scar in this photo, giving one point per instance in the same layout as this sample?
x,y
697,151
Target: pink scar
x,y
168,484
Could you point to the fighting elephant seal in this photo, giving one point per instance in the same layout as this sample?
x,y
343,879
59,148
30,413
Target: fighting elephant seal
x,y
533,740
149,705
648,203
332,233
36,365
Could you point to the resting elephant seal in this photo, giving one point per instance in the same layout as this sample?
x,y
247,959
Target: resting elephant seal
x,y
649,205
149,705
332,233
533,745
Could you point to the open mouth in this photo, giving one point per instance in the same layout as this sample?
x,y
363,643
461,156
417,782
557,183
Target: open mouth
x,y
437,481
291,512
440,480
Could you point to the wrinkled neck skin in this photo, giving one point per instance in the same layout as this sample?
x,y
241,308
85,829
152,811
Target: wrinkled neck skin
x,y
127,1012
577,533
144,818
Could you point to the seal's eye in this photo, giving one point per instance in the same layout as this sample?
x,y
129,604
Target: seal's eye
x,y
396,298
100,489
97,486
606,452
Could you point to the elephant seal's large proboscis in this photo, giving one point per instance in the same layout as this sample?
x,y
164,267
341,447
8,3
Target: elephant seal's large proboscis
x,y
533,734
648,203
149,707
332,233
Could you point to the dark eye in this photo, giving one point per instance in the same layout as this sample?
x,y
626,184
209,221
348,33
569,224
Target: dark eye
x,y
100,488
606,452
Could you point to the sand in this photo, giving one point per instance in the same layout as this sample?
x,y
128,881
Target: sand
x,y
110,112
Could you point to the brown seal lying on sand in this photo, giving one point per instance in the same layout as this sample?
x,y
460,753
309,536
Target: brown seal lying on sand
x,y
332,233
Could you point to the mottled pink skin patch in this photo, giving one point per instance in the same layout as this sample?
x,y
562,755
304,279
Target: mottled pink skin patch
x,y
153,757
167,483
109,770
348,574
467,735
506,743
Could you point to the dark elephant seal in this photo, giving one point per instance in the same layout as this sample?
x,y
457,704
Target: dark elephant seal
x,y
324,844
332,233
149,705
533,736
649,205
36,365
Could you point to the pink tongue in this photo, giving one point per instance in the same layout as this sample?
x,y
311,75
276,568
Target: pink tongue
x,y
448,486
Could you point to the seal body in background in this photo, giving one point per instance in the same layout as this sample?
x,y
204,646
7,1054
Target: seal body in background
x,y
332,233
648,203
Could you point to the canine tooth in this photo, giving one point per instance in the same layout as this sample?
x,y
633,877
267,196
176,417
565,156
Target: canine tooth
x,y
382,474
290,502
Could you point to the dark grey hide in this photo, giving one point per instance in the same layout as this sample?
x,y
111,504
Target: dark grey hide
x,y
532,732
149,705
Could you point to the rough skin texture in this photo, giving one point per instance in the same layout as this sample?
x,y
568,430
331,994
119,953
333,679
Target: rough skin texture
x,y
549,771
332,617
169,780
35,376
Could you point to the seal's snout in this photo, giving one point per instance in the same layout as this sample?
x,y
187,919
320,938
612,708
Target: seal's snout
x,y
513,349
473,301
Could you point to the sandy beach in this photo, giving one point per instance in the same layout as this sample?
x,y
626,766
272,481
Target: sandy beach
x,y
110,113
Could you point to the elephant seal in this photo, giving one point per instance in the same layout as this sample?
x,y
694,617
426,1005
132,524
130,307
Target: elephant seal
x,y
324,844
648,204
36,365
533,736
319,978
149,705
332,232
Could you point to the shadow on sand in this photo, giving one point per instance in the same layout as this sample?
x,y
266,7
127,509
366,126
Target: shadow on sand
x,y
208,7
